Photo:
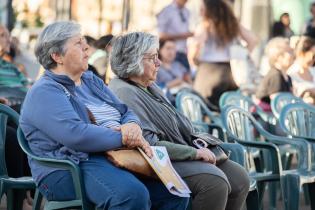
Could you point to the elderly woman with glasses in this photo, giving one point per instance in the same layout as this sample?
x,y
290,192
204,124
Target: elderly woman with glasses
x,y
57,121
134,60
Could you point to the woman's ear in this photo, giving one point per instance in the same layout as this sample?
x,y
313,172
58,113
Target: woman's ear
x,y
57,58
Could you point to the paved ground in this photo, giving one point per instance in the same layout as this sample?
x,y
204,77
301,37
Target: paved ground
x,y
279,206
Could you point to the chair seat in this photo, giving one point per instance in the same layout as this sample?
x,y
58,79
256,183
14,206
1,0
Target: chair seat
x,y
21,182
304,176
63,204
264,176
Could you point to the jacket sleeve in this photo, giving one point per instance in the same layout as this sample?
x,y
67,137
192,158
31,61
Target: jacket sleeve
x,y
48,109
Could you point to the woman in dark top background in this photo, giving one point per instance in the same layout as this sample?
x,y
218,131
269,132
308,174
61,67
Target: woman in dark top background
x,y
282,27
280,56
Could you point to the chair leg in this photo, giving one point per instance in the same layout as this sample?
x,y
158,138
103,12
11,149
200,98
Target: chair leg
x,y
37,200
252,200
273,194
311,193
15,198
10,200
261,186
290,185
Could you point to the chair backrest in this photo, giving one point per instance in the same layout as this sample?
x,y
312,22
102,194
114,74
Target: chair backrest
x,y
6,115
246,103
282,99
243,127
193,107
298,120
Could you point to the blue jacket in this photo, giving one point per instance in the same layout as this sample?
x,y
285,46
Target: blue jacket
x,y
56,123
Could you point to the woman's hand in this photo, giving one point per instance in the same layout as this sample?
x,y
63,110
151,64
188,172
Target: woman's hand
x,y
131,135
205,155
146,148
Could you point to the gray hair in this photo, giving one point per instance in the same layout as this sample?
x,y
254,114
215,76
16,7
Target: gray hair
x,y
127,53
53,39
276,47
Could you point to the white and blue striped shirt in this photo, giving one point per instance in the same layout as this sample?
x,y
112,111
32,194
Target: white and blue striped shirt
x,y
104,114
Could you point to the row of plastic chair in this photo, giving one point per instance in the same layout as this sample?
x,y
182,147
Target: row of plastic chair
x,y
272,148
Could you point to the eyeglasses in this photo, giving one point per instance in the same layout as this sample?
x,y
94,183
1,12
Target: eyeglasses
x,y
153,57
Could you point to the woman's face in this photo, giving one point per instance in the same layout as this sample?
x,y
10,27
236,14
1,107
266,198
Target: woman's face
x,y
287,58
202,9
168,52
309,57
75,58
151,64
4,40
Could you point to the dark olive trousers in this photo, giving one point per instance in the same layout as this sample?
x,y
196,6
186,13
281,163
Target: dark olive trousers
x,y
212,192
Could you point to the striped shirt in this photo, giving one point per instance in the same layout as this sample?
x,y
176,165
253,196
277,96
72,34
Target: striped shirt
x,y
10,76
104,114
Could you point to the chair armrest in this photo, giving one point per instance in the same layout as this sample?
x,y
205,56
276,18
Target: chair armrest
x,y
55,163
275,164
237,152
303,146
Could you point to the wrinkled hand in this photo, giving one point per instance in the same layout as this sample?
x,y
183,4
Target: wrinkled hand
x,y
206,155
131,135
146,148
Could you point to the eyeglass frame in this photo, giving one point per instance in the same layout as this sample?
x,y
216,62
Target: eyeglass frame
x,y
154,58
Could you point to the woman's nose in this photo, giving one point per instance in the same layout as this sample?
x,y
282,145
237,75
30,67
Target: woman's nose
x,y
157,63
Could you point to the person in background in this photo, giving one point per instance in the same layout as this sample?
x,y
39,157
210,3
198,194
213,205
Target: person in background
x,y
104,43
68,96
309,29
172,75
91,42
173,23
302,71
97,58
135,61
13,83
281,57
282,27
13,87
214,36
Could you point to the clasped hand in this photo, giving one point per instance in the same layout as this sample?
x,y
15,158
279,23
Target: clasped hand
x,y
132,137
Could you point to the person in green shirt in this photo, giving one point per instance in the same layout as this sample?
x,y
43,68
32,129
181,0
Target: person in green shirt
x,y
13,84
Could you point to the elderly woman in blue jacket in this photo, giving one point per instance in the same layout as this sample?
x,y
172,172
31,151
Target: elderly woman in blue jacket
x,y
56,122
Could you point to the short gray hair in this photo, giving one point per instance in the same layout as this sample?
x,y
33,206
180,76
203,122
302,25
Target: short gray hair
x,y
276,47
53,39
127,53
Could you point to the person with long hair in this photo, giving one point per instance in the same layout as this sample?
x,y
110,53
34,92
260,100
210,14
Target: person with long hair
x,y
218,30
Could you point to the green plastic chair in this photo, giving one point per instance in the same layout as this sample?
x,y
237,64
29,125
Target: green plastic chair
x,y
236,98
298,120
14,188
80,201
238,155
194,108
240,125
282,99
269,121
